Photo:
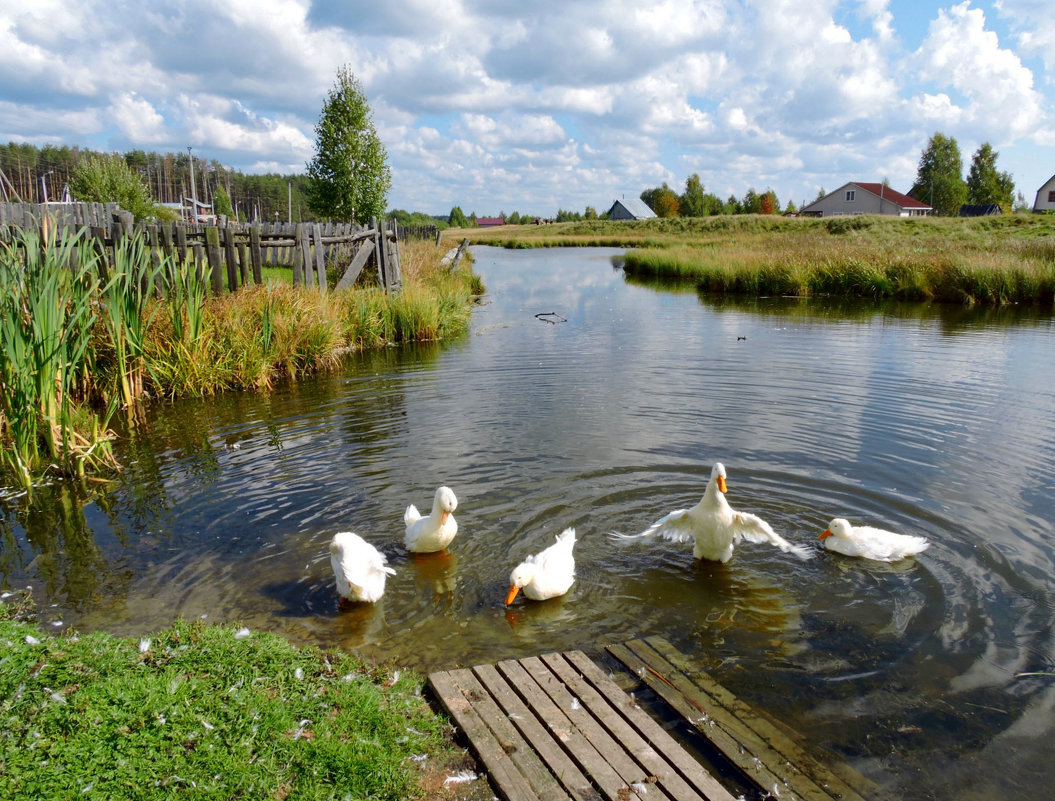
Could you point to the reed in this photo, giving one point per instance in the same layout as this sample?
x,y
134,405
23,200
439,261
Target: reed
x,y
48,294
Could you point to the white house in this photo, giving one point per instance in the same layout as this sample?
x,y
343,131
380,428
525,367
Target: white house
x,y
1046,197
630,209
865,198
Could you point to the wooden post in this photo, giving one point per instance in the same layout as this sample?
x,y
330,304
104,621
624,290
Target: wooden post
x,y
379,251
395,274
299,248
214,257
320,257
254,252
181,242
230,258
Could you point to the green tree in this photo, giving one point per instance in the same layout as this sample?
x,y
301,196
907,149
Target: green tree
x,y
221,202
985,184
752,202
100,178
590,213
349,175
939,177
457,218
692,203
662,200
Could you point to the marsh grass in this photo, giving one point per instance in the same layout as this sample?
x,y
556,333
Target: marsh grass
x,y
989,261
73,347
198,712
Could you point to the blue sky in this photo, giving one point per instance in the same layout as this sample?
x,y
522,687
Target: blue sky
x,y
499,106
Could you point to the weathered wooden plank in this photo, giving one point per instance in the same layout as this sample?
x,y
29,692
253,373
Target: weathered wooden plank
x,y
255,253
214,257
680,759
609,715
837,777
356,267
559,763
621,761
574,742
227,237
489,750
757,759
530,765
320,257
679,694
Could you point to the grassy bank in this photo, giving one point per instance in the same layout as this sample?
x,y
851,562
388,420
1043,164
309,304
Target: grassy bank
x,y
78,341
201,712
990,260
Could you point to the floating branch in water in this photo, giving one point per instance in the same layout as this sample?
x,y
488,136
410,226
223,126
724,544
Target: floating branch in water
x,y
550,317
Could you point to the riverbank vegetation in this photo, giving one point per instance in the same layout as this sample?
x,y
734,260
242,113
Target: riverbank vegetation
x,y
199,711
75,345
986,260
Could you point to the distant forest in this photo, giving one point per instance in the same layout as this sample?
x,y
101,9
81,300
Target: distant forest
x,y
33,174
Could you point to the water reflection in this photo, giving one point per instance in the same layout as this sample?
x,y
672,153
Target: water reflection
x,y
920,419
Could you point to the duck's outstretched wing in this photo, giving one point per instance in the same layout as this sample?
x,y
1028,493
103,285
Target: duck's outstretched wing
x,y
754,529
411,515
676,527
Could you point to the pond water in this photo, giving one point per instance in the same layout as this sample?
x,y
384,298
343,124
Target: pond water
x,y
605,413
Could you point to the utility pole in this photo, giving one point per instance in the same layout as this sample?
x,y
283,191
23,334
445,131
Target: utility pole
x,y
193,191
44,184
289,186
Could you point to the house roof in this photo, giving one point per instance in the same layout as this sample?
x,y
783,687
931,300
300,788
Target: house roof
x,y
887,193
490,221
636,206
879,190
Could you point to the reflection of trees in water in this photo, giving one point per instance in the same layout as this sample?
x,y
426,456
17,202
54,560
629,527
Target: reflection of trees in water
x,y
48,541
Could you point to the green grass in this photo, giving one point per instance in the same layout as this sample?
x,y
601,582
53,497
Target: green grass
x,y
988,261
202,712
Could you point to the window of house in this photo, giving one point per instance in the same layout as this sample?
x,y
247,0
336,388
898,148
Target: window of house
x,y
850,194
1051,197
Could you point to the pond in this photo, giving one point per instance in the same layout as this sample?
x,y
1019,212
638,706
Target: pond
x,y
583,399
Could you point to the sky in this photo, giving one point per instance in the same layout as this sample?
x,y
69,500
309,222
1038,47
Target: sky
x,y
553,104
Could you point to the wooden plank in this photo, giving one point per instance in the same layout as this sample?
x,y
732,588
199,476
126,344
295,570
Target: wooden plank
x,y
356,267
682,760
621,761
520,752
752,752
848,785
609,715
214,257
559,763
320,257
255,253
678,692
574,742
489,750
227,237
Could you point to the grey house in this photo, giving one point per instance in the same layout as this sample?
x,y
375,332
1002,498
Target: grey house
x,y
865,198
632,209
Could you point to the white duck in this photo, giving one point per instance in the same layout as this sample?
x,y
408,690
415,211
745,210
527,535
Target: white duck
x,y
871,543
435,532
358,568
546,574
714,526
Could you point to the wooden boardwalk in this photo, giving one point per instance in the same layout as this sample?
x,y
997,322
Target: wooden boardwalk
x,y
557,726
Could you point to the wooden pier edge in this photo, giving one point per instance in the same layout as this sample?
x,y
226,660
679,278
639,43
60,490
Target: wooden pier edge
x,y
557,726
766,753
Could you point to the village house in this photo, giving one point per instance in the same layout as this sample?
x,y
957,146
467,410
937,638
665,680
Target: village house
x,y
630,209
1045,197
865,198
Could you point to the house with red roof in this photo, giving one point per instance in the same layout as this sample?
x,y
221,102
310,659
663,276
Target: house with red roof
x,y
489,222
865,198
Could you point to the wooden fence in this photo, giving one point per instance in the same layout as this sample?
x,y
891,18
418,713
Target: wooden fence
x,y
235,253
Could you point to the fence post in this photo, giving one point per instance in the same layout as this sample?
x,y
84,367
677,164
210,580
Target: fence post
x,y
230,258
300,246
254,252
320,257
212,254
